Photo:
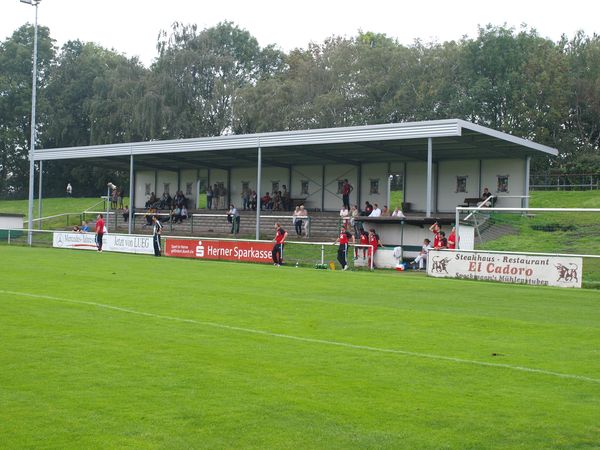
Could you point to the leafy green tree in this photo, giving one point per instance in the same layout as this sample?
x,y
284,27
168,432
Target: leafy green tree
x,y
15,104
197,76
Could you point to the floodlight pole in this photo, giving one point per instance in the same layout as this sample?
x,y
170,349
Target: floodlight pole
x,y
32,137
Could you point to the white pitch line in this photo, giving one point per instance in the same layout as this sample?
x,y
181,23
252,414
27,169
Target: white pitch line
x,y
309,340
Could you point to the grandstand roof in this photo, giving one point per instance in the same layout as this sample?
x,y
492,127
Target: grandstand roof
x,y
452,139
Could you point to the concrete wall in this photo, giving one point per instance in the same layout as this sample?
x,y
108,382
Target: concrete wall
x,y
166,177
314,176
514,169
444,189
377,173
447,195
415,191
143,178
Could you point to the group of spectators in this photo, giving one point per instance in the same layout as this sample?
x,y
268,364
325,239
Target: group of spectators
x,y
279,201
166,201
440,242
216,196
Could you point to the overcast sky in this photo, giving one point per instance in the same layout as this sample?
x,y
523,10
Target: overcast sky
x,y
131,26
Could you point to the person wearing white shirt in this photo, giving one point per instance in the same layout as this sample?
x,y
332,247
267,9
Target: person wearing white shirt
x,y
344,215
398,213
376,211
421,259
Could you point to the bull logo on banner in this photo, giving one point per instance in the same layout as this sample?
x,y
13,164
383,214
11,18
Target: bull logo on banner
x,y
567,273
439,265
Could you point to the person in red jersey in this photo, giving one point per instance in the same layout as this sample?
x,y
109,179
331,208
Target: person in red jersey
x,y
99,231
442,242
435,228
375,243
452,239
363,240
344,240
277,253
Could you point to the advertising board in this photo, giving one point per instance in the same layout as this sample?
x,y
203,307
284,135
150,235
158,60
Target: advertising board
x,y
123,243
559,271
259,252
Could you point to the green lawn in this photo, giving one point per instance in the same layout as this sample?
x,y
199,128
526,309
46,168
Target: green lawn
x,y
574,233
125,351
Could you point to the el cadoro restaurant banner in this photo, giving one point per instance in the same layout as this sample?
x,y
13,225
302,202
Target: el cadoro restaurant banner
x,y
506,268
123,243
226,250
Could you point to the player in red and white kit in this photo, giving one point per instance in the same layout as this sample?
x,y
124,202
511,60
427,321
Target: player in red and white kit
x,y
344,240
363,240
375,243
99,232
277,252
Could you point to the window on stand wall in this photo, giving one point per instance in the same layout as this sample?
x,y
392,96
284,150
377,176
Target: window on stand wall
x,y
188,188
148,189
304,187
340,186
374,186
461,184
274,186
502,183
166,188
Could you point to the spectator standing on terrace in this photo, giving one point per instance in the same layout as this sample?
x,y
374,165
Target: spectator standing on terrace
x,y
385,211
304,217
253,198
121,197
277,252
223,196
245,199
126,214
99,232
285,199
215,201
297,221
69,190
343,240
344,215
209,197
354,214
368,208
233,217
346,189
156,232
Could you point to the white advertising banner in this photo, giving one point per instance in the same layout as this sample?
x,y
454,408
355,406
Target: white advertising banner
x,y
123,243
559,271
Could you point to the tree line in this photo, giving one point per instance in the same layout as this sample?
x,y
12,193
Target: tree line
x,y
219,80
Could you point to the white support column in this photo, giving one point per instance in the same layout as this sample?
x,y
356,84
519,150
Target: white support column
x,y
525,203
258,191
41,163
131,194
429,176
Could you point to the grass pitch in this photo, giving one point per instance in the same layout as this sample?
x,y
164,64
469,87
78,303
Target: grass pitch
x,y
125,351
